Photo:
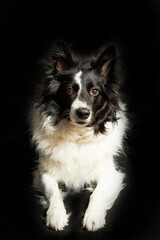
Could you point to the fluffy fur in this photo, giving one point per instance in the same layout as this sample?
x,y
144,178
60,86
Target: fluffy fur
x,y
78,125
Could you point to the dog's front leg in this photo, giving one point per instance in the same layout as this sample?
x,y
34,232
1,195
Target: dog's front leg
x,y
100,201
56,217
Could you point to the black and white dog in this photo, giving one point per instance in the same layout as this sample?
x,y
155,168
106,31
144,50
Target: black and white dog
x,y
78,125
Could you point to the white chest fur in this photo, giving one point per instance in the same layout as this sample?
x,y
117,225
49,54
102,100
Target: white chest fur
x,y
74,154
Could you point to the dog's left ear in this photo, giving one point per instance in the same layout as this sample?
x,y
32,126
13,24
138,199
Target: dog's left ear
x,y
62,57
106,61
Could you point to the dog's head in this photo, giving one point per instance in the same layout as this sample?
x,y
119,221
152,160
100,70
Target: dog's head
x,y
83,91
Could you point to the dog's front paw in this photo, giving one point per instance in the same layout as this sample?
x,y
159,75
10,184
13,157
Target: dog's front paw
x,y
57,218
94,219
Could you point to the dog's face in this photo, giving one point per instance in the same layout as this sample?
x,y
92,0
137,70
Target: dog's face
x,y
80,95
83,95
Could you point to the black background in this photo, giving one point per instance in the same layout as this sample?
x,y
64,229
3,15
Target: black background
x,y
27,29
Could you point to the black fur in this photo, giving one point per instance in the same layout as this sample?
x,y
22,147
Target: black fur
x,y
98,72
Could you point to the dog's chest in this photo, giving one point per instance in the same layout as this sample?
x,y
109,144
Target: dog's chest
x,y
79,153
76,162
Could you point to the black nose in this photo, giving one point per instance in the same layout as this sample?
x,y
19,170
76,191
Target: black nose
x,y
83,113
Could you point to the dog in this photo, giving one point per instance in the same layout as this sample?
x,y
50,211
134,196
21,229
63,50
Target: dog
x,y
78,125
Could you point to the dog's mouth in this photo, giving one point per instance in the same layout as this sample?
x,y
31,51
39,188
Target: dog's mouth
x,y
76,121
81,122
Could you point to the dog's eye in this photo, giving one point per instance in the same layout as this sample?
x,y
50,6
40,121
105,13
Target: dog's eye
x,y
69,91
94,92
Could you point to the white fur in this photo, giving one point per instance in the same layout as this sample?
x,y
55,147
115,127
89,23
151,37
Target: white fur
x,y
74,155
78,79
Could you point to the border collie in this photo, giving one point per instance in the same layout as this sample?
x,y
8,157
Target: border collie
x,y
78,125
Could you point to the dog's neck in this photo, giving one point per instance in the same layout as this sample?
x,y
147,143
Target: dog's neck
x,y
73,132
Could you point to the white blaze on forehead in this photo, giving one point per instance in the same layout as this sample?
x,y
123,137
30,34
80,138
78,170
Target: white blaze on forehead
x,y
78,103
78,79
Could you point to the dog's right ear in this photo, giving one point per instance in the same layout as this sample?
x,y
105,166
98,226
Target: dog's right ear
x,y
62,57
